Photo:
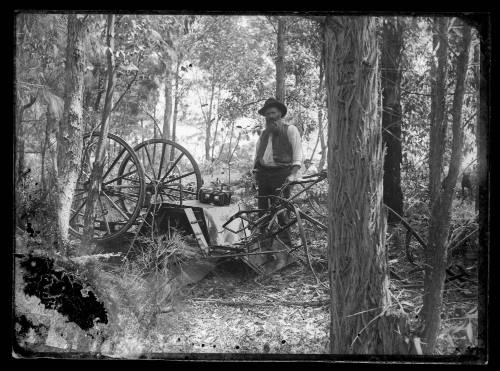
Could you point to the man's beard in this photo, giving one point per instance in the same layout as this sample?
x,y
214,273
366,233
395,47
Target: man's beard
x,y
273,126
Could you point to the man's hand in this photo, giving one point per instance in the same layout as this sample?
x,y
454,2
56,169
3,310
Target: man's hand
x,y
293,176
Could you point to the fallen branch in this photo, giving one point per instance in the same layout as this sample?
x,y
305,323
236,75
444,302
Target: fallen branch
x,y
318,303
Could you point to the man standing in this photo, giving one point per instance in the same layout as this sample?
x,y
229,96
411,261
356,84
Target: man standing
x,y
277,160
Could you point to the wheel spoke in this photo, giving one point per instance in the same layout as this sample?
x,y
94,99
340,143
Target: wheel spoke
x,y
113,163
78,194
124,194
172,167
149,160
77,210
147,176
161,159
115,205
172,196
181,176
120,177
119,186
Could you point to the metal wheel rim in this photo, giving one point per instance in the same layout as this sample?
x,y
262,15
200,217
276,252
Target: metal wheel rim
x,y
128,216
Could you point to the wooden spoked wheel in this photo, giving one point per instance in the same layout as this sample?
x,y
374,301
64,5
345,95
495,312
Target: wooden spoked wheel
x,y
171,174
121,194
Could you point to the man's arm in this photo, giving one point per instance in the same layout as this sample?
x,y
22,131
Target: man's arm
x,y
256,151
296,142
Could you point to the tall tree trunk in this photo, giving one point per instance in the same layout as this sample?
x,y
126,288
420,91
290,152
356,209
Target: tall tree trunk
x,y
477,82
483,185
324,146
176,101
439,72
361,319
321,97
208,123
70,132
98,166
216,127
19,141
167,117
100,86
280,61
44,152
439,224
20,135
392,47
54,115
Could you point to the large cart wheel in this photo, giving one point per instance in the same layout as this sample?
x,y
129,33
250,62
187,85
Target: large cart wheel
x,y
121,193
171,174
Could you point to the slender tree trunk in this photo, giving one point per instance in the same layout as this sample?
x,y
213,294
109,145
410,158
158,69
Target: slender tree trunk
x,y
392,47
439,223
280,61
143,158
483,187
208,124
317,139
70,132
100,86
53,123
44,152
176,102
20,134
361,319
477,86
19,142
216,127
177,99
324,146
321,97
437,137
167,119
98,166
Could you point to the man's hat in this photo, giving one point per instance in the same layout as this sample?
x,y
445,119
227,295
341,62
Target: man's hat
x,y
271,102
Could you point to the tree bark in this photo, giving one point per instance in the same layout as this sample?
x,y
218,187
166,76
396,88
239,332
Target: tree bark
x,y
361,319
98,166
483,185
20,134
280,61
392,47
439,224
167,118
208,122
70,132
44,152
439,73
176,101
321,98
100,86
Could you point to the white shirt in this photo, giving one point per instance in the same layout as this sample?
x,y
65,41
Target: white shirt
x,y
295,141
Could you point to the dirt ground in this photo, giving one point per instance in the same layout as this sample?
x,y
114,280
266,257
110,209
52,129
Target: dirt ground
x,y
232,310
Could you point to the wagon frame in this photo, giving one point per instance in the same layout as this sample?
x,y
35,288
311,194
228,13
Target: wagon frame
x,y
137,185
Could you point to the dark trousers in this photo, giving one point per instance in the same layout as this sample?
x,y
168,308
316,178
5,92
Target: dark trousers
x,y
268,180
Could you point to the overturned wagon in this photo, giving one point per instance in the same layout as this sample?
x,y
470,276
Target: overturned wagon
x,y
154,188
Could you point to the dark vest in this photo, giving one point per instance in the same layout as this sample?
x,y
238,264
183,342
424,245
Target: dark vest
x,y
282,148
